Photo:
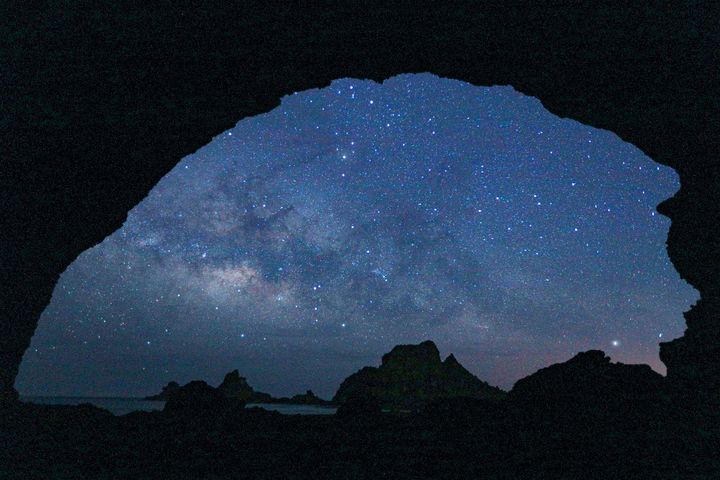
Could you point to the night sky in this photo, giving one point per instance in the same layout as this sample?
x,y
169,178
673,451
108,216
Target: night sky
x,y
304,243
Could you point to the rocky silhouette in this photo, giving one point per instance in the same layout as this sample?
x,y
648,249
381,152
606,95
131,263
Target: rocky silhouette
x,y
584,418
236,387
308,398
165,393
413,375
586,388
192,397
588,375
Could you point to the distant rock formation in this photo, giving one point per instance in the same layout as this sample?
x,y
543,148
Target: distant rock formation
x,y
165,393
410,376
194,396
236,387
589,385
307,398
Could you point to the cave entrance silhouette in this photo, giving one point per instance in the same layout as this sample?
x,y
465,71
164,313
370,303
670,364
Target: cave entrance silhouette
x,y
221,218
608,68
102,102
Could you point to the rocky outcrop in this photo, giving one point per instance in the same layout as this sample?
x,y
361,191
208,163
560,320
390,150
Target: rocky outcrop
x,y
235,386
307,398
587,385
194,397
167,390
412,375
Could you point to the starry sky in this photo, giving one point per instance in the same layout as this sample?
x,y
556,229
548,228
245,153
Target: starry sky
x,y
304,243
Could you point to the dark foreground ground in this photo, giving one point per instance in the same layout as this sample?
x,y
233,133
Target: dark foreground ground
x,y
456,439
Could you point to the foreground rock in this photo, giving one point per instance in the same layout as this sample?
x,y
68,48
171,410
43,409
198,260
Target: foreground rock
x,y
360,404
193,397
410,376
587,385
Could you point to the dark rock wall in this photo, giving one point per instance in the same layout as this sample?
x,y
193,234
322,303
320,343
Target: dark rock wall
x,y
98,104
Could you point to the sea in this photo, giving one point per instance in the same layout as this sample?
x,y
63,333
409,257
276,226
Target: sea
x,y
123,406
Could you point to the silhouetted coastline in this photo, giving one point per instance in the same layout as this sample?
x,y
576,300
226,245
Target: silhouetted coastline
x,y
236,387
584,415
409,377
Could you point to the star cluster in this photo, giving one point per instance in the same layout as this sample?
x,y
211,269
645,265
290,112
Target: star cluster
x,y
303,243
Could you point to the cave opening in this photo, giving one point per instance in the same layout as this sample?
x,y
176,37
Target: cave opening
x,y
306,241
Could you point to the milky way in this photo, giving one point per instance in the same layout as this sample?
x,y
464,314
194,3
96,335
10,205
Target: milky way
x,y
303,243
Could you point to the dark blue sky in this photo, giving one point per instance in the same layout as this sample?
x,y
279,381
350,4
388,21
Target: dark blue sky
x,y
304,243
